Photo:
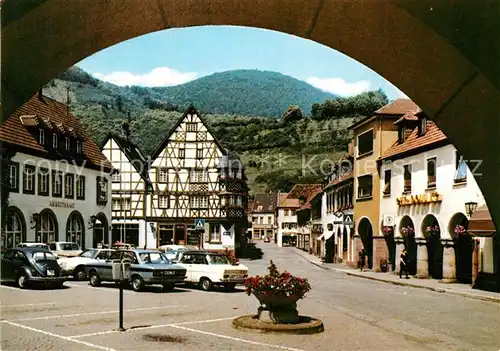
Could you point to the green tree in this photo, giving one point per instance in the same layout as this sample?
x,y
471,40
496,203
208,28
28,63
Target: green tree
x,y
292,114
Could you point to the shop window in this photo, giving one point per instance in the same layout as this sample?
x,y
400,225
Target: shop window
x,y
215,235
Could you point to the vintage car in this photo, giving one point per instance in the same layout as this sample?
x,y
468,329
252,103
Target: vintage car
x,y
75,266
208,269
64,249
28,265
173,251
148,267
33,244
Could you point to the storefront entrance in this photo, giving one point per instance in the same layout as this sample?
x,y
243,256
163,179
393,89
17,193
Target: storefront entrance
x,y
180,234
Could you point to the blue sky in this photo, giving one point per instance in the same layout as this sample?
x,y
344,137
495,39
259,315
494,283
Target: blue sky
x,y
176,56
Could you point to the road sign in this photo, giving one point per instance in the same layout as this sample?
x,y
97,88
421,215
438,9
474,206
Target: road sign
x,y
348,220
199,223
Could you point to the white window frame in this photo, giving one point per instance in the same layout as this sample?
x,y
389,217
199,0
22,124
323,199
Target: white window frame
x,y
68,186
215,234
80,187
182,152
126,203
164,201
41,136
13,176
44,181
116,177
116,205
199,153
67,144
29,179
78,147
58,182
191,126
162,175
55,141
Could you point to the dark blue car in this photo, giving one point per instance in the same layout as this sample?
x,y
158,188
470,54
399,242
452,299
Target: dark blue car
x,y
29,265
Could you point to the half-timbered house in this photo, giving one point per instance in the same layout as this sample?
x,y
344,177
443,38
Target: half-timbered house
x,y
196,180
129,190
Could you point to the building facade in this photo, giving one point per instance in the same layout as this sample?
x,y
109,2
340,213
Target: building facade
x,y
426,185
58,178
286,220
263,216
372,136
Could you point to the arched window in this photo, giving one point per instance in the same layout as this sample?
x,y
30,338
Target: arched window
x,y
75,228
13,232
47,229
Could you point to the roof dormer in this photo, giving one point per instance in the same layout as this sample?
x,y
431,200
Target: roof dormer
x,y
422,124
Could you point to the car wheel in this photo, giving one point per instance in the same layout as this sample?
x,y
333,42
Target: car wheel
x,y
95,280
22,281
137,283
229,286
168,286
205,284
79,273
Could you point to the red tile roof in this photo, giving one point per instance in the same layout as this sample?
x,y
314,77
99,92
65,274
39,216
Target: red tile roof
x,y
264,203
344,177
410,115
433,135
314,192
52,115
285,202
303,190
397,107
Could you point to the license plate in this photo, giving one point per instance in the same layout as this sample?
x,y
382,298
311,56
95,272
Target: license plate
x,y
237,277
169,273
50,272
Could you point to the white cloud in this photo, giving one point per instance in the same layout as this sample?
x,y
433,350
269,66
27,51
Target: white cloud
x,y
158,77
340,87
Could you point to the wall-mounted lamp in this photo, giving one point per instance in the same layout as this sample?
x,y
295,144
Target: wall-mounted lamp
x,y
92,221
470,207
35,218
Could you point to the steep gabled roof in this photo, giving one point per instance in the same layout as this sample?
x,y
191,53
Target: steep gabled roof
x,y
133,154
285,202
303,190
190,110
264,203
393,110
315,191
53,116
433,137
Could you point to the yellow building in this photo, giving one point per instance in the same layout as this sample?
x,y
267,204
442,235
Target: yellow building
x,y
373,135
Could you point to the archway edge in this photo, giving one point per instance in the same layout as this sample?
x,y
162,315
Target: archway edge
x,y
422,47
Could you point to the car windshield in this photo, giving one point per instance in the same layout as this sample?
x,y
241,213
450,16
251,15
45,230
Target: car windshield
x,y
68,246
217,259
153,257
88,254
43,256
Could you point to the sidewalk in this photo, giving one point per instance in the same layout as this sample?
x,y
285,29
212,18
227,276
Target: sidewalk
x,y
391,278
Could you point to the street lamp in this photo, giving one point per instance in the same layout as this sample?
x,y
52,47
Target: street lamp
x,y
92,221
35,217
470,207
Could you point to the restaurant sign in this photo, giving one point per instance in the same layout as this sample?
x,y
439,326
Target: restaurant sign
x,y
419,199
61,204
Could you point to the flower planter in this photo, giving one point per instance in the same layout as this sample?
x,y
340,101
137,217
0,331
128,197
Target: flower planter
x,y
277,309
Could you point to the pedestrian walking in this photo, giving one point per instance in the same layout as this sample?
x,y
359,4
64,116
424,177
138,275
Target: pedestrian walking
x,y
361,259
403,264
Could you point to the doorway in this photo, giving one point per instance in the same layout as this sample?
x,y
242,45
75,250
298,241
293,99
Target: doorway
x,y
165,234
180,234
365,231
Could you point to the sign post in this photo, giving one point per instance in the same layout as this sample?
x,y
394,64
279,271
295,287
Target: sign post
x,y
199,224
121,274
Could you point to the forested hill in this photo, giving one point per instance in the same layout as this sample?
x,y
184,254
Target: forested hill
x,y
239,92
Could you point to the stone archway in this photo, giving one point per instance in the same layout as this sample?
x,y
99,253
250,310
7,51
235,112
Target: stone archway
x,y
14,228
407,230
47,229
365,231
75,229
464,247
432,234
388,232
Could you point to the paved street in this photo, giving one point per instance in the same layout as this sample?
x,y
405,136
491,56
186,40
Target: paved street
x,y
358,314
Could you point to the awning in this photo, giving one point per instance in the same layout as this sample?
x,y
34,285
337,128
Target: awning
x,y
480,223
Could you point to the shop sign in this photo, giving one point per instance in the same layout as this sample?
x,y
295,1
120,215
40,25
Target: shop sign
x,y
61,204
419,199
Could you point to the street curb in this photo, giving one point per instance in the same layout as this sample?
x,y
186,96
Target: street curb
x,y
439,290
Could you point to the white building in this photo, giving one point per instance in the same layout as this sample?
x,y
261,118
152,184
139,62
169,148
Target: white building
x,y
58,177
263,214
286,220
129,191
426,184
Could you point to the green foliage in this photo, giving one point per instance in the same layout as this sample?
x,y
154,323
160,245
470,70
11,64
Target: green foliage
x,y
292,114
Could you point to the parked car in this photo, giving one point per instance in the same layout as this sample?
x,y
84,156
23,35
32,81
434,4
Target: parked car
x,y
173,251
33,244
267,240
28,265
208,269
122,246
148,267
75,266
65,249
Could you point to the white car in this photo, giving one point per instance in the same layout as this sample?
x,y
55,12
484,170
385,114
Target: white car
x,y
75,266
173,251
65,249
208,269
33,244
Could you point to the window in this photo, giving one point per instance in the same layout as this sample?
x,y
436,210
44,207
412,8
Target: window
x,y
261,220
239,200
431,173
401,134
199,201
47,229
67,144
293,212
116,177
191,127
55,141
43,182
116,205
254,219
29,179
198,176
13,230
126,204
201,136
78,147
269,220
102,190
14,176
422,127
365,185
75,230
407,179
56,184
199,153
365,143
460,168
163,201
387,182
182,153
215,233
287,212
163,175
41,136
69,181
